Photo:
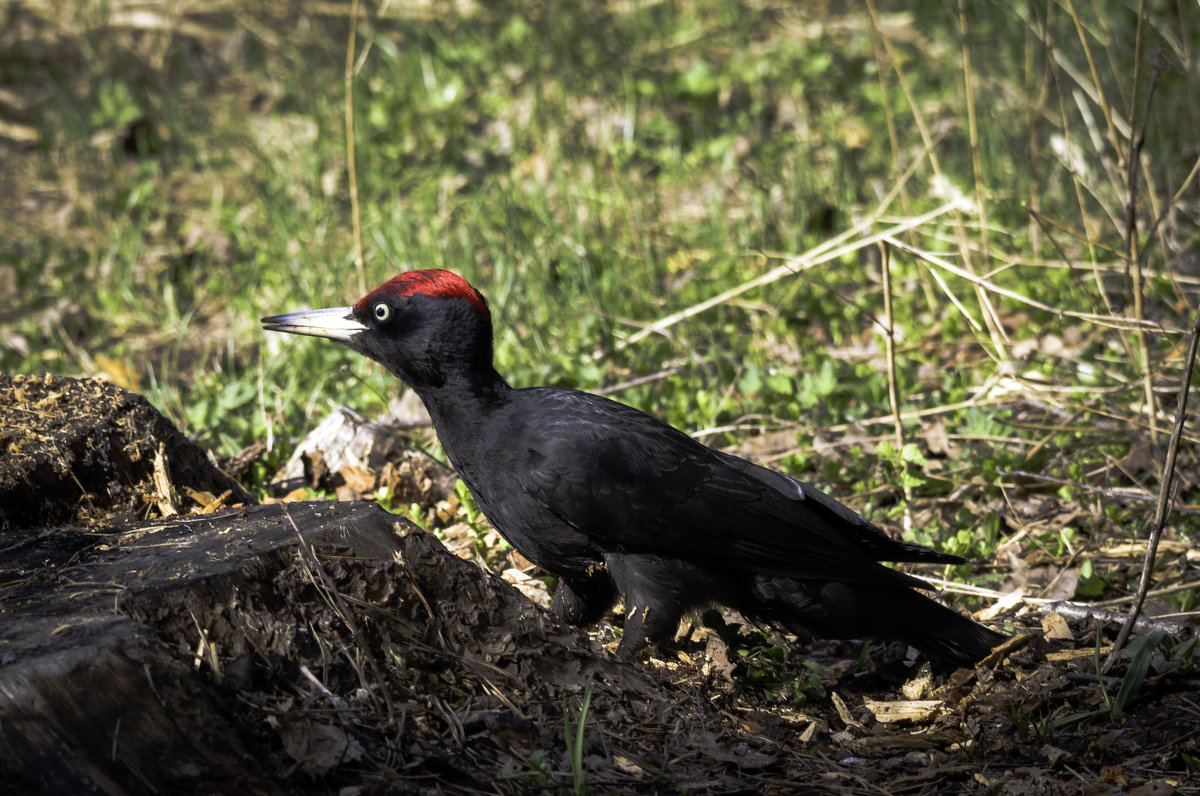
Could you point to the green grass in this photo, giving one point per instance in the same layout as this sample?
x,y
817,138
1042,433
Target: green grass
x,y
594,169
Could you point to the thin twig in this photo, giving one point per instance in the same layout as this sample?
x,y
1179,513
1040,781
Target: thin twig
x,y
974,590
1083,237
831,250
1183,188
1055,63
982,399
889,339
976,163
1133,157
971,589
1100,97
1164,497
1118,494
1071,610
1144,624
1178,587
333,698
638,381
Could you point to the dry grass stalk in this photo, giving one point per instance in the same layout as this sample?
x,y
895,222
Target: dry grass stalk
x,y
833,249
360,651
351,168
1114,321
991,318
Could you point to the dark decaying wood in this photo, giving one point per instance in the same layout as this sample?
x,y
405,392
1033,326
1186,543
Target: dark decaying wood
x,y
91,696
74,451
216,654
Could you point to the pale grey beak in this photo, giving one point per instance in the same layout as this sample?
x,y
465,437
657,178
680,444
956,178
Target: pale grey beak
x,y
336,323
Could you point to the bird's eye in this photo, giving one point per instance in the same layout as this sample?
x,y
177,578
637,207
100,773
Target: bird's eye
x,y
382,312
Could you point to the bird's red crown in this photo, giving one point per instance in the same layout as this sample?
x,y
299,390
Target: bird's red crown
x,y
433,282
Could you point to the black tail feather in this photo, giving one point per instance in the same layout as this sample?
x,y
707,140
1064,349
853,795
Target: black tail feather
x,y
897,613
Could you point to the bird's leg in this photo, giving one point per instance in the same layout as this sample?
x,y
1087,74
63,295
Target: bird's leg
x,y
653,600
645,623
582,601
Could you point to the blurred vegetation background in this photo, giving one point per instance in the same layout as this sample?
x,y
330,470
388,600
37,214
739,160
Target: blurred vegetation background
x,y
706,208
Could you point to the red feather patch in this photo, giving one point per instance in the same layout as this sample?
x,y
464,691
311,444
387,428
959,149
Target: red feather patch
x,y
433,282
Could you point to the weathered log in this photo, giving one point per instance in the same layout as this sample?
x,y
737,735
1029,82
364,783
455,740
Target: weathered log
x,y
94,698
171,656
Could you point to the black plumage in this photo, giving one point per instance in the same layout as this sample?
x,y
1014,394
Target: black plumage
x,y
617,503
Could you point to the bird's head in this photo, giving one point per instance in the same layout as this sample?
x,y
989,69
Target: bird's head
x,y
421,325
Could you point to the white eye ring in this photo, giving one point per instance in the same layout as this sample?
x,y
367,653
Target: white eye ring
x,y
382,312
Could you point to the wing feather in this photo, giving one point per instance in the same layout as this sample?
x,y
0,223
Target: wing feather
x,y
643,486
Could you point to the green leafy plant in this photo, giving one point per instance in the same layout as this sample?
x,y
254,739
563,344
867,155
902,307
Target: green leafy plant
x,y
903,467
115,106
772,670
1091,584
534,772
1142,650
467,501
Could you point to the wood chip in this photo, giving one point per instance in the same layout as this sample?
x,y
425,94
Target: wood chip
x,y
1002,606
901,742
902,709
1055,628
844,711
207,501
1071,655
918,686
164,490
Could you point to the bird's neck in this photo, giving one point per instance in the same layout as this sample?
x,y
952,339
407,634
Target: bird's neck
x,y
459,405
